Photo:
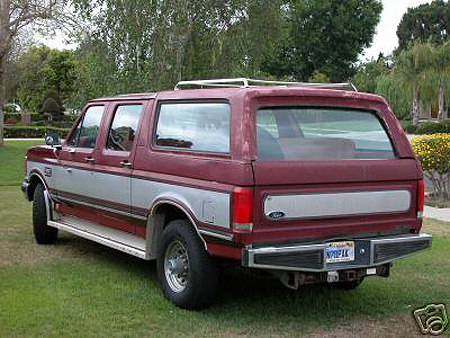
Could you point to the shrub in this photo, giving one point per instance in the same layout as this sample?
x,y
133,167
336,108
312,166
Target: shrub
x,y
433,151
32,132
433,128
408,126
52,108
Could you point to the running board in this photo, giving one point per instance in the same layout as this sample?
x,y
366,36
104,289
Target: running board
x,y
112,238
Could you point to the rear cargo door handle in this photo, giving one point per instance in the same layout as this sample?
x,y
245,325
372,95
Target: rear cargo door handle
x,y
89,159
125,164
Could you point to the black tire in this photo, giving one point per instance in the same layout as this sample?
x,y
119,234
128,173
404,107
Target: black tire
x,y
43,233
196,286
348,285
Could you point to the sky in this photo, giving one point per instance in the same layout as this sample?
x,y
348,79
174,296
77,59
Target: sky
x,y
384,41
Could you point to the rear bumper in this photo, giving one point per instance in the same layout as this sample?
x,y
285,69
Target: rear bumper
x,y
369,252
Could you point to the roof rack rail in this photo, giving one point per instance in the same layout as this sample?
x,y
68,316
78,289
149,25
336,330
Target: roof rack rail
x,y
246,83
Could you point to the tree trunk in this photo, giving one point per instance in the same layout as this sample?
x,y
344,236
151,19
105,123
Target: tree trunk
x,y
441,103
416,106
2,98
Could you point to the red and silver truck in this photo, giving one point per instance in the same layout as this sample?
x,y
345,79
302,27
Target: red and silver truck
x,y
313,183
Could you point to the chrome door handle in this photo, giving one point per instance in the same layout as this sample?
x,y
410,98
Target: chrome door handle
x,y
68,169
71,150
89,159
125,164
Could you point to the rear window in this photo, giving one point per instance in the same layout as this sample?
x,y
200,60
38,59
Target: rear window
x,y
297,134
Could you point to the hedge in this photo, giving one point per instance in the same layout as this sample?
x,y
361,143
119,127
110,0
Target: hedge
x,y
427,128
37,119
32,132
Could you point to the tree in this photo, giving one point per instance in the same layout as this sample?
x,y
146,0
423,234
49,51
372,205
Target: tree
x,y
325,36
42,69
150,45
441,74
52,109
15,16
412,72
368,73
427,22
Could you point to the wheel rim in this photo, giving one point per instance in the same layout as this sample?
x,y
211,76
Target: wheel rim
x,y
176,266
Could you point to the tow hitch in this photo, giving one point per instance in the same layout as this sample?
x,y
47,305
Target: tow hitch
x,y
294,279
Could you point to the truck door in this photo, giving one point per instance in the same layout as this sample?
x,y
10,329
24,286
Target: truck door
x,y
115,162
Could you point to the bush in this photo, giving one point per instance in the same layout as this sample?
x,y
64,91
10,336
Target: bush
x,y
433,128
11,118
433,151
408,126
32,132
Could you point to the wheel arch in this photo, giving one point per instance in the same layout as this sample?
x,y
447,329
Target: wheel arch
x,y
34,179
171,210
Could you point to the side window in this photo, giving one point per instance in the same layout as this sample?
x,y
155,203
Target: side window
x,y
123,128
194,126
85,135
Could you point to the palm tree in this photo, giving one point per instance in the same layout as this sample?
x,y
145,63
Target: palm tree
x,y
441,74
412,71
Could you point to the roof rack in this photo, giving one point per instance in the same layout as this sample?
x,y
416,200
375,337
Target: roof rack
x,y
246,83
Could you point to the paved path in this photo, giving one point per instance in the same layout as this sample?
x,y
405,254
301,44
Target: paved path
x,y
442,214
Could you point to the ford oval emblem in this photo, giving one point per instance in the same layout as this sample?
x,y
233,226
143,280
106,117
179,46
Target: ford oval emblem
x,y
276,215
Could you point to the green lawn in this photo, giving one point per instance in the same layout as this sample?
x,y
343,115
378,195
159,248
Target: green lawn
x,y
12,161
79,288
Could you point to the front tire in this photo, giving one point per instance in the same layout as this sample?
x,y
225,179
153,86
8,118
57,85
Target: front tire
x,y
43,233
187,274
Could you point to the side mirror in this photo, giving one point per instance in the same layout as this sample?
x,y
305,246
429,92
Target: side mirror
x,y
52,139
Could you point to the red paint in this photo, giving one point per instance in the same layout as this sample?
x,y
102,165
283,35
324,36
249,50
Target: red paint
x,y
240,168
420,196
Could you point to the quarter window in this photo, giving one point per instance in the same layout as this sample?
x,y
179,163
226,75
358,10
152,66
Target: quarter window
x,y
194,126
123,128
85,135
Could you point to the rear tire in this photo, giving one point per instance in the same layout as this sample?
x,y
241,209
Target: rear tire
x,y
187,274
43,233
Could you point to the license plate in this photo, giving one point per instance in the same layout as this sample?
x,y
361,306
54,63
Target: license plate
x,y
340,252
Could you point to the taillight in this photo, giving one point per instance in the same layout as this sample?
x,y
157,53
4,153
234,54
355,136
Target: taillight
x,y
242,209
420,198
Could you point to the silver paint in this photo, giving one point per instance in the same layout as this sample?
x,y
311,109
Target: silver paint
x,y
113,238
147,193
338,204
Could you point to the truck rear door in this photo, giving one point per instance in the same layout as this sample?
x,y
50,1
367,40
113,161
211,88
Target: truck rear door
x,y
325,172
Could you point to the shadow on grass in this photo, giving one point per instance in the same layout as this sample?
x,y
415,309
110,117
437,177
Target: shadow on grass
x,y
247,297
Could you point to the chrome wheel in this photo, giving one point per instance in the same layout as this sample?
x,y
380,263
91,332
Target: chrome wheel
x,y
176,266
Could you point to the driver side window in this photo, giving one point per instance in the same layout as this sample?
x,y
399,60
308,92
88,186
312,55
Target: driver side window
x,y
85,134
123,128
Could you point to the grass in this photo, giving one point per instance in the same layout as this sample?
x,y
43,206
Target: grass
x,y
12,161
79,288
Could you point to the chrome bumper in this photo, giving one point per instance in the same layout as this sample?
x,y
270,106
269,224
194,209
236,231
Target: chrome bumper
x,y
369,252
